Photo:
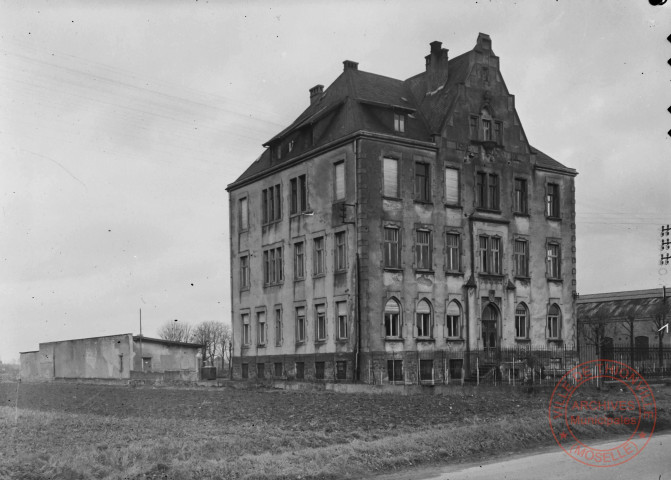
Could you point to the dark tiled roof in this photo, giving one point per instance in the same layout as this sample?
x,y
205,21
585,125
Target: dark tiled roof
x,y
544,160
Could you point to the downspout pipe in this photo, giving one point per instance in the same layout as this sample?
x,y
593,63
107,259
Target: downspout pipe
x,y
357,353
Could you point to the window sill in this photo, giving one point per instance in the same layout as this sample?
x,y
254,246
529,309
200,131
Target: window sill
x,y
271,285
491,276
261,345
300,343
425,271
522,340
394,339
245,347
245,230
423,202
269,224
425,340
523,278
488,210
453,205
392,269
320,342
555,280
319,275
558,341
554,219
394,199
454,274
342,341
454,339
244,289
297,280
521,214
340,272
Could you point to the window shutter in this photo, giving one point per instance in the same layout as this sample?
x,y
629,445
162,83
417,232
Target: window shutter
x,y
452,186
340,180
390,168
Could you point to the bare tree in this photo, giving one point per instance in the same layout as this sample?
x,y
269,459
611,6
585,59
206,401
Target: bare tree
x,y
594,333
176,331
628,325
659,323
212,336
225,343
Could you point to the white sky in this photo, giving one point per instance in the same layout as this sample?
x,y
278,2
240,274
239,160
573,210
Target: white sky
x,y
121,123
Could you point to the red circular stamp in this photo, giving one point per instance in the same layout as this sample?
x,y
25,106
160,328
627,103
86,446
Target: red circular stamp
x,y
577,408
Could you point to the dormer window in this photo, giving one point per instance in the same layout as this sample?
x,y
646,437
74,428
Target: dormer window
x,y
278,151
485,128
399,123
291,146
486,125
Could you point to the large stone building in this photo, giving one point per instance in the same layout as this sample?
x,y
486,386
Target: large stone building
x,y
398,226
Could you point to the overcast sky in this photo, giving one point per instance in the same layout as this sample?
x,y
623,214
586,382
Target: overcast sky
x,y
121,123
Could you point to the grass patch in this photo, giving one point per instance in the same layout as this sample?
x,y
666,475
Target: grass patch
x,y
74,431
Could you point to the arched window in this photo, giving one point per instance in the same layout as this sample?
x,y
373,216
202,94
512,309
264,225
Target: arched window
x,y
554,322
424,319
521,321
453,320
490,317
392,319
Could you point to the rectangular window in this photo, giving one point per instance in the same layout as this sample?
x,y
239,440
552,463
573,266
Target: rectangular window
x,y
273,269
146,364
300,324
423,250
244,271
487,191
298,194
521,258
422,182
392,319
395,370
319,370
554,260
392,250
473,128
299,260
341,370
318,256
245,370
520,323
490,254
246,333
520,198
278,369
498,133
426,370
451,186
399,123
261,327
453,250
340,259
244,214
341,312
300,370
486,130
261,370
553,326
271,204
390,175
452,326
552,200
424,324
278,327
339,181
320,324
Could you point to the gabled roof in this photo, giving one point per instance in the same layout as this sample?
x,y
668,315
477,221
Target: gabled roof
x,y
354,103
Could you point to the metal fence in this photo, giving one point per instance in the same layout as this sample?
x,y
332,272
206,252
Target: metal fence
x,y
518,365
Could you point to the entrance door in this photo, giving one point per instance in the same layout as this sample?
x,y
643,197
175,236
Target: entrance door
x,y
490,317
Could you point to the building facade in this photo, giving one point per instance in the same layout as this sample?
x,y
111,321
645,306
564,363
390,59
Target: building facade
x,y
397,227
630,327
112,357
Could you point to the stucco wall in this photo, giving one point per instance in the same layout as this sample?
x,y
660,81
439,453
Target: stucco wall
x,y
165,357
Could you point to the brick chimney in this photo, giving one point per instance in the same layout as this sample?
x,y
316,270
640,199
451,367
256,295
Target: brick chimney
x,y
436,66
349,64
315,92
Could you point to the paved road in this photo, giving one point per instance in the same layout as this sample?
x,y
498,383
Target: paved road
x,y
653,463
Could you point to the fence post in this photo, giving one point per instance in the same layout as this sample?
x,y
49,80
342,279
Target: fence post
x,y
477,370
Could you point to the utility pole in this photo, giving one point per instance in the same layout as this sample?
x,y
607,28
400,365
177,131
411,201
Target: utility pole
x,y
141,358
